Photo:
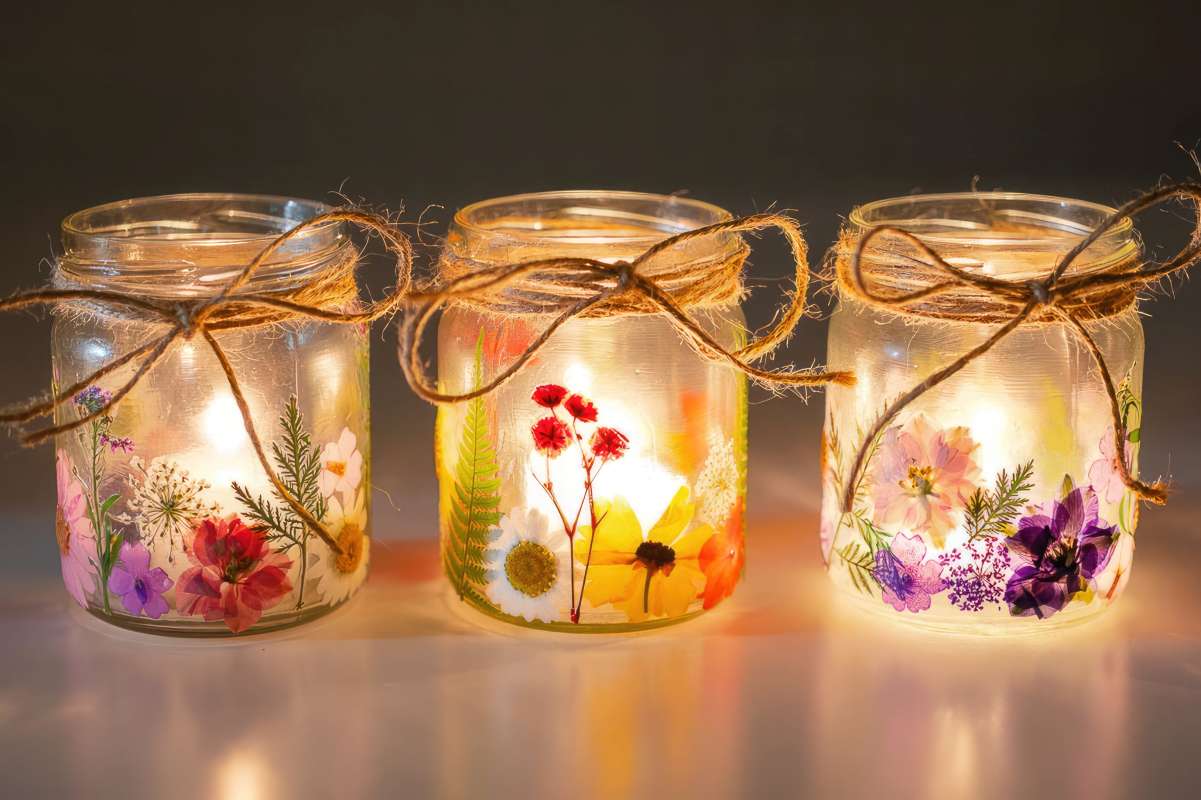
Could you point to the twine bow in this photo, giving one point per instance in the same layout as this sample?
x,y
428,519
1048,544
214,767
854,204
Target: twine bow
x,y
1069,299
609,289
226,310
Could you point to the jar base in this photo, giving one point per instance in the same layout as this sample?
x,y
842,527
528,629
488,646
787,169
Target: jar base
x,y
202,629
499,622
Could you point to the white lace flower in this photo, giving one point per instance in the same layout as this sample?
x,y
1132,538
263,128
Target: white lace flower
x,y
336,576
529,575
165,502
717,483
341,466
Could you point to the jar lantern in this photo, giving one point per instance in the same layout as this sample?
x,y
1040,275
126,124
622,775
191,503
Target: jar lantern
x,y
166,521
991,502
602,487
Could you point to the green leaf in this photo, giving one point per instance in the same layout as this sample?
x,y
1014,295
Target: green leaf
x,y
108,503
474,499
1135,435
860,567
992,512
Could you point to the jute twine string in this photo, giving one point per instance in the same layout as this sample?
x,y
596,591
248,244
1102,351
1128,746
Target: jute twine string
x,y
583,287
1071,300
325,298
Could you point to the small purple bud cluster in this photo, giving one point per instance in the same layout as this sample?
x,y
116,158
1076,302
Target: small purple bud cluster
x,y
976,574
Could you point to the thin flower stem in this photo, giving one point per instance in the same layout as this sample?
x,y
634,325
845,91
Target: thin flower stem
x,y
592,538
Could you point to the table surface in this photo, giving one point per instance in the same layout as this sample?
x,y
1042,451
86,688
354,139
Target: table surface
x,y
784,689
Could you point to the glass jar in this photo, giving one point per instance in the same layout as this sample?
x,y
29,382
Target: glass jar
x,y
616,427
166,520
991,503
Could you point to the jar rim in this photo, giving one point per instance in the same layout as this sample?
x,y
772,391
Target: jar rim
x,y
600,204
190,244
875,214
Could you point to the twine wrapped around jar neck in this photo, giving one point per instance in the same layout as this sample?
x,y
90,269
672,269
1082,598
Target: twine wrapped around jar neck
x,y
330,296
570,287
948,292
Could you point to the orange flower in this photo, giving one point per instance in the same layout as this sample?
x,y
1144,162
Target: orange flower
x,y
722,558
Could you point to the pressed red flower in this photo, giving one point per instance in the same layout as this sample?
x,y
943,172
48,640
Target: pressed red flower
x,y
550,436
549,395
235,574
609,443
581,408
722,558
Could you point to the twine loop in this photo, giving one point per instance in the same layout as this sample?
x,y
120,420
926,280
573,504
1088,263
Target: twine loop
x,y
573,287
331,298
1059,298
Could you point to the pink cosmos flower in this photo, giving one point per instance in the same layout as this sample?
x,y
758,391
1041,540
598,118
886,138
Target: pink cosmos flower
x,y
1103,473
922,476
235,576
74,532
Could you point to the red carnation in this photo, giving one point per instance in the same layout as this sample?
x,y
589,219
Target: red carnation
x,y
549,395
609,443
550,436
581,408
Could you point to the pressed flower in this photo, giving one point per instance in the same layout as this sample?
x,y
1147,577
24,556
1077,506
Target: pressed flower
x,y
1103,473
74,532
717,482
340,574
907,579
341,466
549,395
92,399
1057,552
551,436
165,502
655,574
922,477
722,558
139,587
580,407
529,569
235,576
115,443
608,443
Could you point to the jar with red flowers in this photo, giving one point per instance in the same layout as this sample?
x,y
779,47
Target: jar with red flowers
x,y
602,487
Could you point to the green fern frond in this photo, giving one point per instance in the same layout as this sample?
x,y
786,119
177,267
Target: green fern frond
x,y
991,512
475,498
860,564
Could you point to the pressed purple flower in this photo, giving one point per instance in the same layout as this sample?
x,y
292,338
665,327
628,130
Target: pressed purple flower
x,y
976,574
1057,552
115,443
92,399
139,587
907,581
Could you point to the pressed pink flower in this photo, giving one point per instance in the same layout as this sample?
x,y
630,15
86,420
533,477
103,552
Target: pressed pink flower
x,y
549,395
235,576
550,436
609,443
74,532
581,408
907,581
1103,473
922,476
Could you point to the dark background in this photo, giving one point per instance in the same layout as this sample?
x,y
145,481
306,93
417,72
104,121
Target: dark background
x,y
809,107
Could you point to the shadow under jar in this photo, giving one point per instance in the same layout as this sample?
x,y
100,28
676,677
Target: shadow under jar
x,y
991,503
602,488
166,521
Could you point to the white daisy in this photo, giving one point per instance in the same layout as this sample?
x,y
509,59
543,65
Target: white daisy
x,y
529,573
337,575
341,466
717,483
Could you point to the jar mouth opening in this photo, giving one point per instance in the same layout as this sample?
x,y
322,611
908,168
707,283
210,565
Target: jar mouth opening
x,y
191,244
587,218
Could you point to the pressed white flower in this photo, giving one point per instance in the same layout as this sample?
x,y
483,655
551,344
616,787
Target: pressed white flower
x,y
165,502
529,575
337,575
717,483
341,466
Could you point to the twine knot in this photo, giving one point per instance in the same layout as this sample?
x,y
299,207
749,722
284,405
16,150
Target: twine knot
x,y
187,317
625,274
1040,292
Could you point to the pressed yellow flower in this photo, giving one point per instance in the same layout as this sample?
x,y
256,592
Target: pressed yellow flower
x,y
655,574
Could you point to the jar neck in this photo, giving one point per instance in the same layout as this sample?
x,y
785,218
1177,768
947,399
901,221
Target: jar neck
x,y
191,246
